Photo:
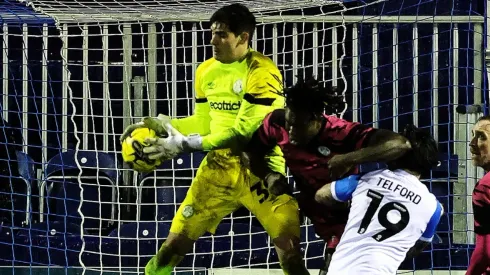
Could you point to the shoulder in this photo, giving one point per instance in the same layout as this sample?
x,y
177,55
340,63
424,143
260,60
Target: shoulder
x,y
277,118
205,65
274,120
340,128
256,61
334,122
485,181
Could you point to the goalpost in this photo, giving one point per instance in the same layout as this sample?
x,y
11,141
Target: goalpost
x,y
75,73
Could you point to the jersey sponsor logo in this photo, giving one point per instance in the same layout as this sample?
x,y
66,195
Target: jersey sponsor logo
x,y
324,150
225,106
188,211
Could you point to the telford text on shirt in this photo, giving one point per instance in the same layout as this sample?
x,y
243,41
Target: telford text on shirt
x,y
398,188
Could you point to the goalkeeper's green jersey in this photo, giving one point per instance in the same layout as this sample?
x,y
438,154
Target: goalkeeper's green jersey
x,y
231,102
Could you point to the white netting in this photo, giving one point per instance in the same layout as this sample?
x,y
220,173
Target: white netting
x,y
157,59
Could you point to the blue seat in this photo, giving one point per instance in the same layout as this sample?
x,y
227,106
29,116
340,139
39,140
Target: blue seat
x,y
26,166
22,199
64,187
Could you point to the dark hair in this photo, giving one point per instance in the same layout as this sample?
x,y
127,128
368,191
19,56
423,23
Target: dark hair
x,y
237,17
312,96
424,153
486,117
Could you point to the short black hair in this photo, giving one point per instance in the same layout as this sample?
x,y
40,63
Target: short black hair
x,y
485,117
237,17
312,96
424,153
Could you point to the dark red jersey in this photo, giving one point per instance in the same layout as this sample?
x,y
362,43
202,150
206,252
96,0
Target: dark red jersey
x,y
309,163
480,258
481,205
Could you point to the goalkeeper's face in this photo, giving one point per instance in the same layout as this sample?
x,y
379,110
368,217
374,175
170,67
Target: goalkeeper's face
x,y
227,47
480,144
302,126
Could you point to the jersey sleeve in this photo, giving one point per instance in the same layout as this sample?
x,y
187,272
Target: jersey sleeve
x,y
199,122
265,138
263,95
342,189
352,135
432,225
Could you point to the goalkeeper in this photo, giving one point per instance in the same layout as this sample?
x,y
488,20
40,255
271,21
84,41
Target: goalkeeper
x,y
235,90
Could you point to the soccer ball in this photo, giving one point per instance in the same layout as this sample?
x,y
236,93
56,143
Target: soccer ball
x,y
132,151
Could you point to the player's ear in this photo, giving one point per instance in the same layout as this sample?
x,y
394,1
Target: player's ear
x,y
243,38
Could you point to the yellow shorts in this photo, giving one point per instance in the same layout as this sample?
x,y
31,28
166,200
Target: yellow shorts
x,y
221,188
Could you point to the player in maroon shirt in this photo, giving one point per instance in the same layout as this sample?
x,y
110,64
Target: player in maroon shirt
x,y
318,149
480,155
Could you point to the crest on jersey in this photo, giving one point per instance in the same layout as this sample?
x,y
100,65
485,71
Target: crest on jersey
x,y
237,86
188,211
324,150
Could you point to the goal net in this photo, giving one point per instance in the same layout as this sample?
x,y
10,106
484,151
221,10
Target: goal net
x,y
75,73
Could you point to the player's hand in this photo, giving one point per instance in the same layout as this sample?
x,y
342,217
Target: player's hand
x,y
165,148
339,166
157,124
173,145
278,184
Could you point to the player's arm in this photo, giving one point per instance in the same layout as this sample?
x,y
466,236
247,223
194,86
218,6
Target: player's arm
x,y
264,86
199,122
262,144
481,255
375,145
259,151
338,191
428,234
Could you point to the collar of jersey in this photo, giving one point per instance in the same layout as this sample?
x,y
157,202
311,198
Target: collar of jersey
x,y
245,56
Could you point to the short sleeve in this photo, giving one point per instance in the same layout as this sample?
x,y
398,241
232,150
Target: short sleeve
x,y
432,225
481,194
265,137
352,135
342,189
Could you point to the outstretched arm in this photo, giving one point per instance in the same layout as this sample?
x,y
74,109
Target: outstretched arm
x,y
383,145
263,95
365,145
198,123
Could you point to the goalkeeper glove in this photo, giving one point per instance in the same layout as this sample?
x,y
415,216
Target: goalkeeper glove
x,y
173,145
157,124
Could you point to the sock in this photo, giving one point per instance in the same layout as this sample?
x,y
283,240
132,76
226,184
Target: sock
x,y
152,267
